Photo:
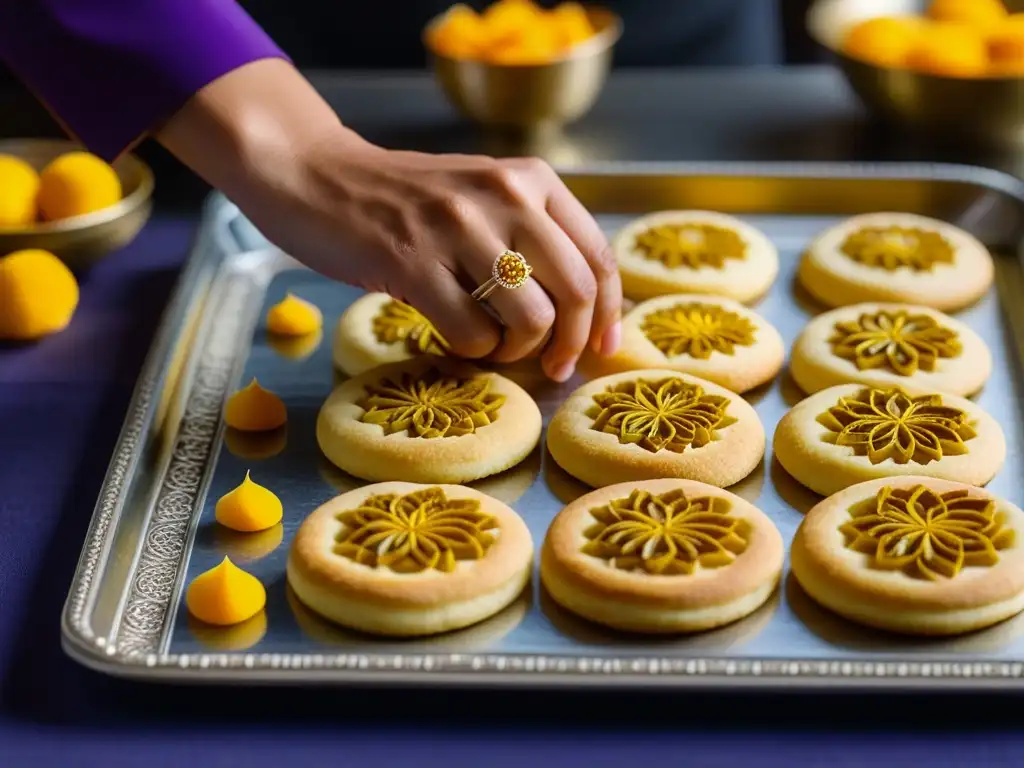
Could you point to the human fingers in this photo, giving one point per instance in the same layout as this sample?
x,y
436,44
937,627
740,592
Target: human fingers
x,y
569,214
436,293
526,312
565,275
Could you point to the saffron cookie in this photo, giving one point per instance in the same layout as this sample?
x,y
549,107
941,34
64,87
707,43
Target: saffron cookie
x,y
885,345
428,420
694,252
402,559
645,425
916,555
897,257
848,434
717,339
661,556
377,329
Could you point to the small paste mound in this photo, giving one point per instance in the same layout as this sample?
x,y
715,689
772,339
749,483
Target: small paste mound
x,y
691,245
925,534
397,323
225,595
896,341
431,405
891,248
697,330
666,534
670,414
419,531
255,409
887,424
248,508
294,317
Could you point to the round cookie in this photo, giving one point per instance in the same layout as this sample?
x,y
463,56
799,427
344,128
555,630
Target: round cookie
x,y
897,257
377,329
694,252
428,420
849,434
887,345
661,556
403,559
715,338
916,555
645,425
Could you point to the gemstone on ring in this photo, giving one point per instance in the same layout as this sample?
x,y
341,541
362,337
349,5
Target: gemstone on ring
x,y
510,270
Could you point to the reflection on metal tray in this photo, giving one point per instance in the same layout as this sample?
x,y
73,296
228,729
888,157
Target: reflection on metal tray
x,y
154,530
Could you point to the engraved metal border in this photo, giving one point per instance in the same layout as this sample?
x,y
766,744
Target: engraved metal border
x,y
154,581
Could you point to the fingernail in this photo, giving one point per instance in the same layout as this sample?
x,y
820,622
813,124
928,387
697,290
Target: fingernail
x,y
611,340
564,373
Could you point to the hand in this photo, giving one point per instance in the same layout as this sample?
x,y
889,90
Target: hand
x,y
424,228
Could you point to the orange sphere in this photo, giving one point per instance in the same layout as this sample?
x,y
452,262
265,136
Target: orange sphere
x,y
979,13
885,41
950,50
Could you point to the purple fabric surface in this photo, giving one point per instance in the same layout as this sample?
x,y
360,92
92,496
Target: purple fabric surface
x,y
62,403
111,70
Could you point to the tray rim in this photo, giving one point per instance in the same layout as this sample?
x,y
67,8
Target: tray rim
x,y
211,247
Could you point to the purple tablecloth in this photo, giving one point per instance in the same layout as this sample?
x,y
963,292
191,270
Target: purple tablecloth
x,y
61,406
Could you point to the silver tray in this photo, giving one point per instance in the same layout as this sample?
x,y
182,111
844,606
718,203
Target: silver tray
x,y
153,528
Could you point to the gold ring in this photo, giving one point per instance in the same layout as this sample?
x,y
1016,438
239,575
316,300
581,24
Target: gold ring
x,y
510,271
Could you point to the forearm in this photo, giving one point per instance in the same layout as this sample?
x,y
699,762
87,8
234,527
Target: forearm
x,y
113,70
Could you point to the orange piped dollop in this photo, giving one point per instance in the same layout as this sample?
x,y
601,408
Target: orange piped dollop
x,y
248,508
293,316
255,409
225,595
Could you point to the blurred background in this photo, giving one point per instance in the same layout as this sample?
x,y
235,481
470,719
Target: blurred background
x,y
387,36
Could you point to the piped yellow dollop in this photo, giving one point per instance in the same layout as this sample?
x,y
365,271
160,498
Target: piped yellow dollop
x,y
293,316
225,595
255,409
248,508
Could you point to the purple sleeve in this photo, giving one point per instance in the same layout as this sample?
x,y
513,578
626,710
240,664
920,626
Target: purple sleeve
x,y
112,70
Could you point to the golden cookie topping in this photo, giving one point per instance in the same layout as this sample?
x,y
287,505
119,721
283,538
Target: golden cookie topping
x,y
398,322
894,247
691,245
697,330
925,534
418,531
666,534
897,341
431,405
670,414
887,424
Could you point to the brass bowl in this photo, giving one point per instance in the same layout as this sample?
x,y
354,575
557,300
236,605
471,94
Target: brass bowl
x,y
990,110
532,97
81,240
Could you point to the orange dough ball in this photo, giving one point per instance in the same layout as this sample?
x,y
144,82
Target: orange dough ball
x,y
949,50
38,295
19,187
460,34
972,12
75,184
885,41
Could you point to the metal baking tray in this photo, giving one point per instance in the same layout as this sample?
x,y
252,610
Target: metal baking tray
x,y
153,529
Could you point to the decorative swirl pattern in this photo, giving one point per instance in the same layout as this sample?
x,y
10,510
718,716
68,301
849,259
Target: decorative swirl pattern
x,y
691,245
667,534
420,531
397,322
885,424
431,405
670,414
697,330
891,248
898,341
925,534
